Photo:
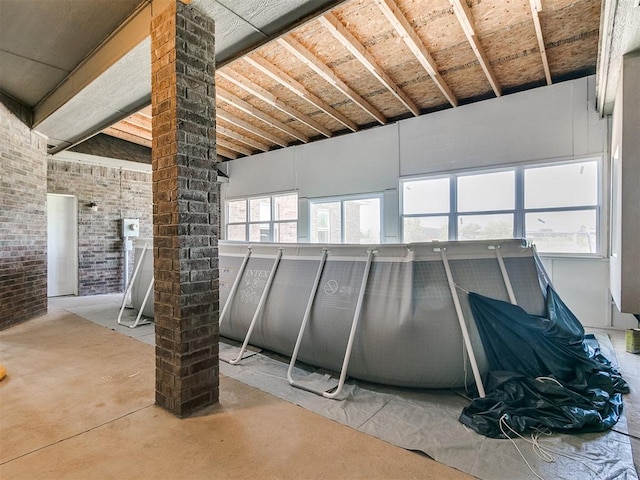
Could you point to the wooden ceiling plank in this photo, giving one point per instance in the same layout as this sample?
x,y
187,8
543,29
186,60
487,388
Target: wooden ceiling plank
x,y
221,142
250,128
414,43
296,87
139,120
246,107
146,111
256,90
129,137
315,64
462,12
226,153
536,6
351,43
126,125
241,138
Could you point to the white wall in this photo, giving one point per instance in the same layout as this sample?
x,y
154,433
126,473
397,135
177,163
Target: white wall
x,y
625,215
552,122
556,122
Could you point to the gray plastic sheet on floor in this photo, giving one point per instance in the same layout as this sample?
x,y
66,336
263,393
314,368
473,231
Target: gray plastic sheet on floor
x,y
427,421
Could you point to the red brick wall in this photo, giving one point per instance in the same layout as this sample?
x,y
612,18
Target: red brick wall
x,y
23,221
119,194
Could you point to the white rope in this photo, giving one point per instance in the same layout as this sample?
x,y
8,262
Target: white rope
x,y
543,452
504,422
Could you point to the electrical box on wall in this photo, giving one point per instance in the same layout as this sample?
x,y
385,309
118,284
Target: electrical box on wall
x,y
130,227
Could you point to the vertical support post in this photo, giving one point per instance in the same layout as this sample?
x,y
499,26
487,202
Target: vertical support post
x,y
307,315
261,303
354,327
505,276
130,285
236,284
185,208
463,325
144,303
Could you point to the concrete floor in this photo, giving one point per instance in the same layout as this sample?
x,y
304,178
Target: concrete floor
x,y
78,403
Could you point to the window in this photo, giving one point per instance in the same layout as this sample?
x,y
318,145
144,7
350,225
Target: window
x,y
263,219
555,206
346,220
561,207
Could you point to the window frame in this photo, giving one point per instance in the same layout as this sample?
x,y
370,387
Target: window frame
x,y
271,222
343,199
519,211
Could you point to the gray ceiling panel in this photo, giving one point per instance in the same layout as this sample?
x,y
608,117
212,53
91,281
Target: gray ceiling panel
x,y
124,88
133,74
26,80
271,16
59,33
79,117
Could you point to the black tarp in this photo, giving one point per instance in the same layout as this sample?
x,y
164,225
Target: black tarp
x,y
543,372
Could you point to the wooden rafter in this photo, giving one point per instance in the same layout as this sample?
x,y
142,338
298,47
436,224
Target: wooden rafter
x,y
129,137
351,43
246,107
226,153
249,127
221,142
462,12
296,87
313,62
413,41
222,130
536,7
247,85
139,120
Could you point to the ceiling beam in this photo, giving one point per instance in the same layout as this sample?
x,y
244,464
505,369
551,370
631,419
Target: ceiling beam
x,y
246,107
221,142
226,152
351,43
250,128
138,123
314,63
140,120
296,87
127,126
462,12
256,90
124,38
413,41
222,130
536,7
129,137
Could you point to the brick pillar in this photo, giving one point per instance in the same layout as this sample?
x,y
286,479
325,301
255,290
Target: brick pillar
x,y
185,209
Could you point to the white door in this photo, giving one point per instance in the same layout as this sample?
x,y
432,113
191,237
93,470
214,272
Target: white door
x,y
62,245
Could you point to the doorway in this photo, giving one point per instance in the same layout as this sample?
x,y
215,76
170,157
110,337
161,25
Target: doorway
x,y
62,245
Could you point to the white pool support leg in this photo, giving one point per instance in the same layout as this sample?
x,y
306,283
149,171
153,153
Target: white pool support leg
x,y
354,327
236,283
144,303
261,303
505,276
463,325
307,315
130,285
